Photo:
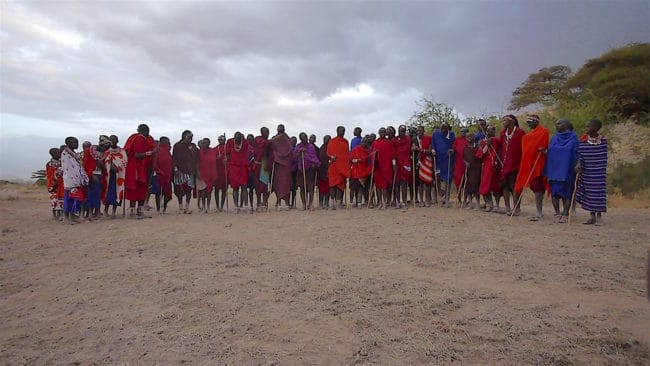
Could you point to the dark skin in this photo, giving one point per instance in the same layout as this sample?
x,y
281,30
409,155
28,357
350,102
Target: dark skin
x,y
164,142
401,187
509,125
185,139
424,190
490,132
262,198
324,199
217,192
382,194
591,130
55,153
114,140
239,194
335,192
204,197
560,127
72,144
360,192
287,200
144,131
539,196
308,201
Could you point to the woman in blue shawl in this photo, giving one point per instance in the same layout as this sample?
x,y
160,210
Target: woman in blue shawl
x,y
561,159
443,142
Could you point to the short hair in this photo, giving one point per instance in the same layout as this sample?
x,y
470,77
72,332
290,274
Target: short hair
x,y
70,139
596,122
54,150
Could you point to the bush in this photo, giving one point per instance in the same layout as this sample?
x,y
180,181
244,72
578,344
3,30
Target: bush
x,y
630,178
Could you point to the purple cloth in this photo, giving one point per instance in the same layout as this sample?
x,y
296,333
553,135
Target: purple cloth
x,y
311,159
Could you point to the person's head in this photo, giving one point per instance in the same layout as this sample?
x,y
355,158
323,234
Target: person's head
x,y
373,137
420,131
280,128
562,125
206,143
390,131
481,125
250,139
303,138
55,153
200,144
104,143
340,131
164,141
444,128
532,121
186,137
491,131
593,126
326,139
402,130
264,131
464,131
86,145
312,139
382,132
239,137
509,121
221,139
294,140
114,140
143,130
470,137
357,132
71,142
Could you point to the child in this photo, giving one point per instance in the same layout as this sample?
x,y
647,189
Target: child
x,y
54,175
75,180
115,160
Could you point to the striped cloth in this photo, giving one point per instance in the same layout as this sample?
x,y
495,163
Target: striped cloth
x,y
592,183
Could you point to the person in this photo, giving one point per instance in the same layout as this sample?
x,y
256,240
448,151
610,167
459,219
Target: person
x,y
114,160
404,168
443,142
207,173
220,184
92,163
459,169
422,145
356,140
294,174
339,168
511,158
323,179
306,163
383,162
592,173
75,180
250,186
481,130
312,140
534,145
164,169
559,170
487,152
139,148
260,172
282,158
54,180
238,165
359,173
472,173
184,157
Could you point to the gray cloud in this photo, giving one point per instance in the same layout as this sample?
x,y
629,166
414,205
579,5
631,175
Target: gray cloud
x,y
90,67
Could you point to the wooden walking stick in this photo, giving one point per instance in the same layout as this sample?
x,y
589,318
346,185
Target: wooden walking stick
x,y
448,188
435,177
514,209
372,176
270,187
463,187
573,197
392,192
225,165
413,168
304,179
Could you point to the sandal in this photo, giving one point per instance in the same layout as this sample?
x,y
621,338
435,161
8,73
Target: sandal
x,y
562,219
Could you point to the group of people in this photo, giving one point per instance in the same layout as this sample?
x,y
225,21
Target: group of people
x,y
395,168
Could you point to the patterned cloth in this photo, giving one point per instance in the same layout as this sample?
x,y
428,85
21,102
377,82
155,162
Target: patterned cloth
x,y
115,160
592,182
54,176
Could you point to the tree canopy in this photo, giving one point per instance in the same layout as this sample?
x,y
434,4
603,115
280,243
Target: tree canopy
x,y
542,87
431,114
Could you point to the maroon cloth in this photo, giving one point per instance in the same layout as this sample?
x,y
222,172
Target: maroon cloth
x,y
237,163
137,177
538,184
323,177
163,166
281,152
383,174
260,151
510,152
184,157
459,167
473,171
220,177
208,167
490,169
403,157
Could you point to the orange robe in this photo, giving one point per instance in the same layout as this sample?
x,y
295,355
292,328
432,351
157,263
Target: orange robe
x,y
339,170
532,160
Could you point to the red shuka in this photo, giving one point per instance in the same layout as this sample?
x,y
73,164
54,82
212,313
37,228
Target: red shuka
x,y
383,162
237,163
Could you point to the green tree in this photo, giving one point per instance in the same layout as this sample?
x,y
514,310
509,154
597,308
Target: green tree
x,y
621,75
431,114
542,87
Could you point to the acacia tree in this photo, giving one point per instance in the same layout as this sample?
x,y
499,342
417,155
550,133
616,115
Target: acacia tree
x,y
431,114
542,87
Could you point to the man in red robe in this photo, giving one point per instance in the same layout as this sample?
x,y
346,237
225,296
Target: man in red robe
x,y
361,170
404,168
510,157
459,169
237,158
207,173
534,145
163,167
383,174
487,151
184,155
139,148
339,169
425,173
280,166
323,179
261,175
220,186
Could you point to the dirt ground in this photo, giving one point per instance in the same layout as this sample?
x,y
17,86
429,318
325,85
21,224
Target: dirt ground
x,y
416,286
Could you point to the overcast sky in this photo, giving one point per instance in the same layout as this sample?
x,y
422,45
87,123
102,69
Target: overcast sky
x,y
89,68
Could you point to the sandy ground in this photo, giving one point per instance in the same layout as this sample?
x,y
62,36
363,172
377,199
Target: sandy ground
x,y
419,286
